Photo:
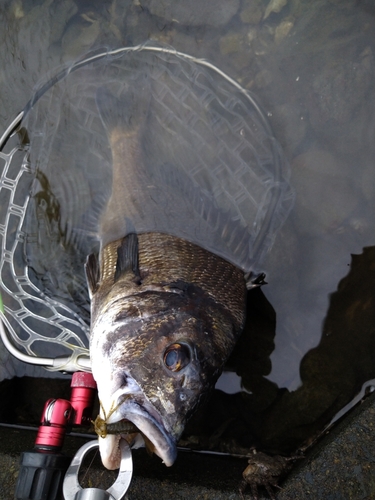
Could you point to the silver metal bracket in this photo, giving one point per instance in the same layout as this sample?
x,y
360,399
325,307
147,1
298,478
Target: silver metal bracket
x,y
72,490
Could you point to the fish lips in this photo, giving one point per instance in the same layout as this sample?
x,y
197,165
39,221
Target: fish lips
x,y
149,424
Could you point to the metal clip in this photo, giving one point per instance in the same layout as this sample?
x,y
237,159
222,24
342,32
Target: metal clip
x,y
72,490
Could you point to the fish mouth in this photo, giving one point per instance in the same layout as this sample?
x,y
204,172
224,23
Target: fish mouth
x,y
149,425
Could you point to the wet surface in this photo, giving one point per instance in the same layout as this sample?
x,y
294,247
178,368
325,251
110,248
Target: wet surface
x,y
307,349
340,466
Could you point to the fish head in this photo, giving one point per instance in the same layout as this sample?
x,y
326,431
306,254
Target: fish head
x,y
154,357
165,316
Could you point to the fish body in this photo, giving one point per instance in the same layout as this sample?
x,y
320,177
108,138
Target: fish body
x,y
165,313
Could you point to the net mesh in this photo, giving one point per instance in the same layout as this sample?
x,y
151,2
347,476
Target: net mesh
x,y
38,324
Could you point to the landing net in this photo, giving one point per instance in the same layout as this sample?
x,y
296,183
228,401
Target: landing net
x,y
51,329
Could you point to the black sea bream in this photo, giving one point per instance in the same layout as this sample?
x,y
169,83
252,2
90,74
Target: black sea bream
x,y
160,176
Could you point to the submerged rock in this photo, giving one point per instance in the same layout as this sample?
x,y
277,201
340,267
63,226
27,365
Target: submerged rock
x,y
252,12
338,90
274,6
194,12
325,196
283,30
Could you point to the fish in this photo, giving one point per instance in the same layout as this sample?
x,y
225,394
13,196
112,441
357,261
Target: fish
x,y
165,312
153,187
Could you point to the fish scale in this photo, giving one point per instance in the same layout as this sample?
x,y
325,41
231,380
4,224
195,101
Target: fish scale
x,y
192,264
165,259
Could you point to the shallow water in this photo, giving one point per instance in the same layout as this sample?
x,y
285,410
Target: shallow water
x,y
307,348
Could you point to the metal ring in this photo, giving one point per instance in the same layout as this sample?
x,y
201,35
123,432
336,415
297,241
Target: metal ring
x,y
72,490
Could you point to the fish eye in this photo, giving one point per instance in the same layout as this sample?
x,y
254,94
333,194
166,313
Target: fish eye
x,y
176,357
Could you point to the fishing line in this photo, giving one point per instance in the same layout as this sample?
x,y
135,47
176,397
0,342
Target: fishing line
x,y
90,465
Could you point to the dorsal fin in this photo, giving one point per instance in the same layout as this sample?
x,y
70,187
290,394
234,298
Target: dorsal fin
x,y
127,256
92,269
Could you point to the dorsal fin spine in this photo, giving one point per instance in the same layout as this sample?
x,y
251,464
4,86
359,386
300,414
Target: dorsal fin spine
x,y
92,269
127,256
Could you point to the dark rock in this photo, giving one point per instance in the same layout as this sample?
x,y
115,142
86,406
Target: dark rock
x,y
194,12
